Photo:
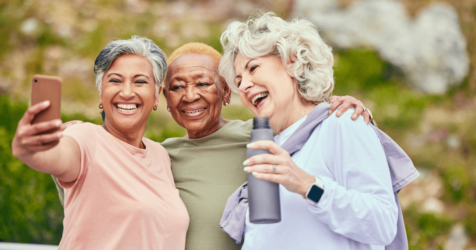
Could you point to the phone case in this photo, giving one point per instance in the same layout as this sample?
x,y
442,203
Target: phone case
x,y
46,88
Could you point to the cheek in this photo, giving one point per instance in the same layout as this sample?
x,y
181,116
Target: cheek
x,y
173,99
243,99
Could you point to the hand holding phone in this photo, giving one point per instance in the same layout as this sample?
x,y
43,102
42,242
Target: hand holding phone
x,y
38,130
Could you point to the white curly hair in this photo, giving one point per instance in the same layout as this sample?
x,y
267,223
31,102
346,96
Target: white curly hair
x,y
296,42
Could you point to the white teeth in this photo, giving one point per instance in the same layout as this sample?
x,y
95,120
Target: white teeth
x,y
127,107
194,111
256,97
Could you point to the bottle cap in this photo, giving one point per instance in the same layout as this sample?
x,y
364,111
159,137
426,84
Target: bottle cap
x,y
261,122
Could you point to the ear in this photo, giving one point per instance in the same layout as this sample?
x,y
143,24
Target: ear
x,y
156,100
166,95
226,91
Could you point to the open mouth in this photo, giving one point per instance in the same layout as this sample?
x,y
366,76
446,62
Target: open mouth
x,y
127,108
259,98
193,111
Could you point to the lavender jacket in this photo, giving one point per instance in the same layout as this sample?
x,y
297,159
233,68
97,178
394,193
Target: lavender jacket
x,y
402,172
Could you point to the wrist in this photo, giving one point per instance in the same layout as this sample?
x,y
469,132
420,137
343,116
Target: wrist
x,y
306,185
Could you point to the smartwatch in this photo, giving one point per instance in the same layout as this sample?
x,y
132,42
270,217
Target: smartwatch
x,y
315,192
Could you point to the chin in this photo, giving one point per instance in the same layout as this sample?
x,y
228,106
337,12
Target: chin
x,y
194,127
127,124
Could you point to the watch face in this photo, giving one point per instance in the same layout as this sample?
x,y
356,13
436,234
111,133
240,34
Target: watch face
x,y
315,193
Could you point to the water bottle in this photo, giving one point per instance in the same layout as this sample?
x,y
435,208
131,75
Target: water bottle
x,y
263,196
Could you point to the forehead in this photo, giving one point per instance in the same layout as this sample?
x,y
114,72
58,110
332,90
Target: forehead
x,y
240,61
133,63
193,64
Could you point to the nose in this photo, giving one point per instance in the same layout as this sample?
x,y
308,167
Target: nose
x,y
191,94
246,85
127,91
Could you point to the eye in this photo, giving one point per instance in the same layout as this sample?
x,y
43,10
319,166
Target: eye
x,y
175,87
141,81
253,68
202,84
238,84
114,80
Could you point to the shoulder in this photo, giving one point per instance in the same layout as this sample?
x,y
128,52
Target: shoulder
x,y
240,125
344,130
83,130
155,146
334,124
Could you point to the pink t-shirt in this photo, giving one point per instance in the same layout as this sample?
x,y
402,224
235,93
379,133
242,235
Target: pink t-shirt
x,y
124,197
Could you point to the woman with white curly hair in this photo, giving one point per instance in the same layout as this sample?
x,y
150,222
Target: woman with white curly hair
x,y
336,189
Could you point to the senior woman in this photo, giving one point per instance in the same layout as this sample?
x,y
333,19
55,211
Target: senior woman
x,y
119,189
336,191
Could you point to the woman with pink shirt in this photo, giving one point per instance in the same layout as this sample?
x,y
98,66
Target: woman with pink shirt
x,y
119,189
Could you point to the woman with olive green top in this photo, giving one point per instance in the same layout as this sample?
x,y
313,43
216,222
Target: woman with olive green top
x,y
207,170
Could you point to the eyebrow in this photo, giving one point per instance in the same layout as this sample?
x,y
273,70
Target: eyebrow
x,y
141,75
246,67
121,75
114,74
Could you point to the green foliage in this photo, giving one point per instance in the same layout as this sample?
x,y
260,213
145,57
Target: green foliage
x,y
457,182
425,230
29,204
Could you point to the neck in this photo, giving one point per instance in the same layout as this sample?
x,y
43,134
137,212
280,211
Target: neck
x,y
297,112
220,122
132,137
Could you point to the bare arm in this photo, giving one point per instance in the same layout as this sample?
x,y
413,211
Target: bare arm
x,y
50,153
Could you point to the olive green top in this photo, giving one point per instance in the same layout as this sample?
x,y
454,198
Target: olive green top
x,y
207,170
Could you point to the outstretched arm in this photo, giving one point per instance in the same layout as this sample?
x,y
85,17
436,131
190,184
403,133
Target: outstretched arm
x,y
50,153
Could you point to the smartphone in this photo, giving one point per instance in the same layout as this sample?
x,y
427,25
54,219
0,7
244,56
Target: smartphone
x,y
46,88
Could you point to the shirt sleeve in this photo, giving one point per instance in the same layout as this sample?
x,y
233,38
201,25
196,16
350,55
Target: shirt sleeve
x,y
358,202
85,135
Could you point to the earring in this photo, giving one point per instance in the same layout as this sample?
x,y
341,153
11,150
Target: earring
x,y
168,109
226,104
100,106
154,108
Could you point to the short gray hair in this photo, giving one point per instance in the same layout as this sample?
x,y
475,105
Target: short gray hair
x,y
136,45
296,42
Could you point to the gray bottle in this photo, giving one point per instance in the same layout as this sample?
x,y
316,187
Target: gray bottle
x,y
263,196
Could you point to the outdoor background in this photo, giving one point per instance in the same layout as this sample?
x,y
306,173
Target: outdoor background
x,y
64,37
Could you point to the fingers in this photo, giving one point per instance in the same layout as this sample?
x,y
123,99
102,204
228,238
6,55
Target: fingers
x,y
335,102
276,178
266,168
271,146
263,159
41,140
357,111
32,111
39,128
343,108
366,116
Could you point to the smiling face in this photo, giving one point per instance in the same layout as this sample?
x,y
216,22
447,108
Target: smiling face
x,y
269,91
194,95
128,94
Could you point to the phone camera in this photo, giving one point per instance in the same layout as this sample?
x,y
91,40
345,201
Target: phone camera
x,y
36,80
